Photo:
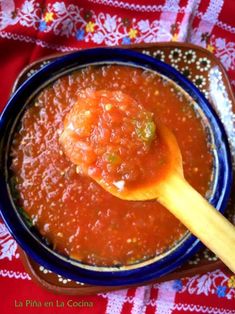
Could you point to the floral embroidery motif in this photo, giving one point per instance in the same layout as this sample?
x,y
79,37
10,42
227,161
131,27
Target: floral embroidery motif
x,y
49,17
177,285
42,26
221,291
87,15
126,41
126,22
175,37
210,48
215,282
133,33
8,246
72,21
205,37
80,34
90,27
231,282
225,50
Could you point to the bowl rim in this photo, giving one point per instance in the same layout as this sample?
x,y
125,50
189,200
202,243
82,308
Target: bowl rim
x,y
19,230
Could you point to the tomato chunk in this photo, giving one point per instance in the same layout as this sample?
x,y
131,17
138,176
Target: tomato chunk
x,y
109,134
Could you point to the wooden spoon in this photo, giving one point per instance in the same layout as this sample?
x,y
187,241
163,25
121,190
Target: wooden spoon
x,y
175,193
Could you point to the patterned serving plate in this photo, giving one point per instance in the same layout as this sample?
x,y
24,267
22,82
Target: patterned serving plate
x,y
208,74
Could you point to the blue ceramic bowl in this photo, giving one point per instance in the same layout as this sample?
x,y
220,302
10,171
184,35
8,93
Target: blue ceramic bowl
x,y
31,242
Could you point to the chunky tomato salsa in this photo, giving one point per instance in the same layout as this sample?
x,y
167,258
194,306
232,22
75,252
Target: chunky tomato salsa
x,y
111,137
69,209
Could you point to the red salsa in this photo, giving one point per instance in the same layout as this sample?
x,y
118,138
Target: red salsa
x,y
69,209
110,136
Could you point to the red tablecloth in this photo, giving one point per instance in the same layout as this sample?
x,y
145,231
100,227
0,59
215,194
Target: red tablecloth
x,y
31,29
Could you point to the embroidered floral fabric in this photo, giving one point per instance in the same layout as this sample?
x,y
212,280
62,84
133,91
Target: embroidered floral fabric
x,y
30,29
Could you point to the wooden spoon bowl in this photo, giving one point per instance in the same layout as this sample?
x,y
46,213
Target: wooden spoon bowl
x,y
175,193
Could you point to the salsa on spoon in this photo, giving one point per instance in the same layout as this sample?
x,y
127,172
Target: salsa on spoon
x,y
115,141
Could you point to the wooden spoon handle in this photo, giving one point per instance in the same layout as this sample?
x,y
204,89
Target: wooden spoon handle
x,y
203,220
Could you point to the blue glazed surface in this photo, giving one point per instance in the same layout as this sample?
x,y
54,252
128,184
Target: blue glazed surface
x,y
31,243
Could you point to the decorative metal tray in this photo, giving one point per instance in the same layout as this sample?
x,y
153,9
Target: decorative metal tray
x,y
208,74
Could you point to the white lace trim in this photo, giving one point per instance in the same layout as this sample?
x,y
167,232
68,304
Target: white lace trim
x,y
14,274
218,23
201,309
141,7
36,41
159,8
105,29
120,298
206,284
